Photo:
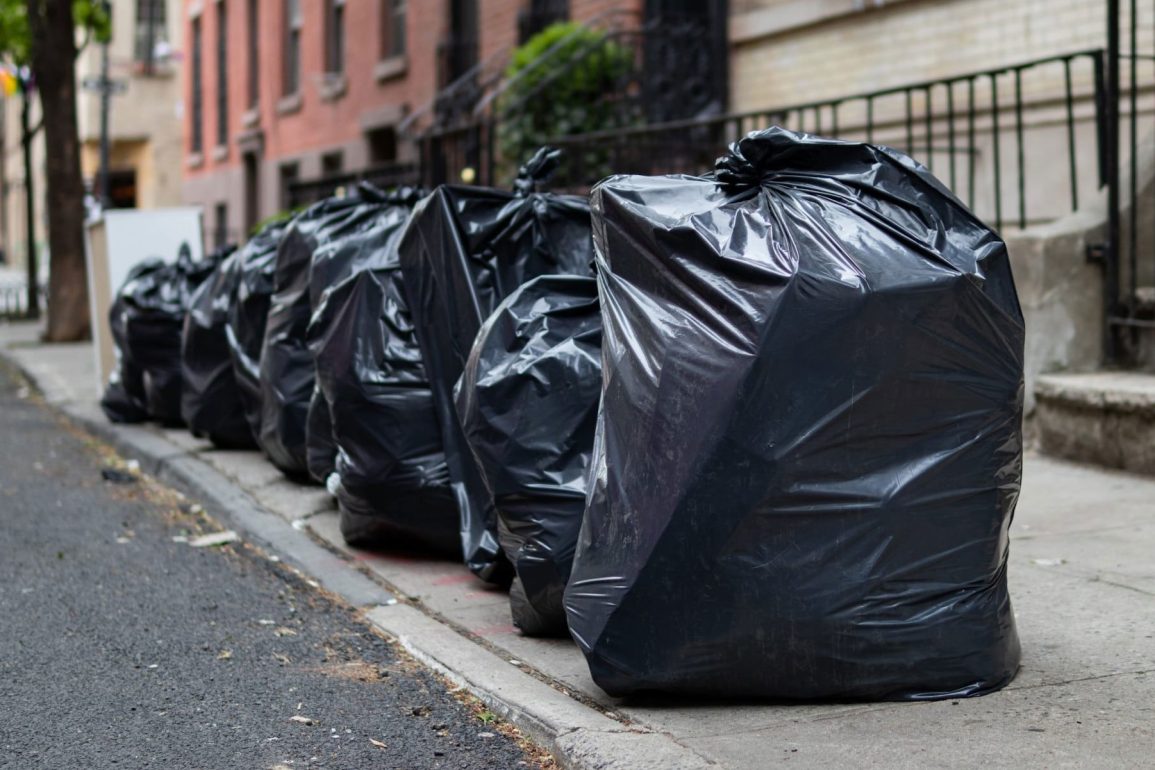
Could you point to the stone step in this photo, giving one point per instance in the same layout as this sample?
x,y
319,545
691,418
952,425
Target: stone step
x,y
1105,418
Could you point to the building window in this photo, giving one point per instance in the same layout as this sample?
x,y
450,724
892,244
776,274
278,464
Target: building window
x,y
122,189
540,15
197,111
222,75
221,235
332,164
335,36
382,146
254,56
292,57
151,30
290,173
392,28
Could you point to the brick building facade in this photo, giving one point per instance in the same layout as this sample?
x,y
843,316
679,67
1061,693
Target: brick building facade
x,y
255,123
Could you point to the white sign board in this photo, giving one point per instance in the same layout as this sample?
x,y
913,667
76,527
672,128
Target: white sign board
x,y
117,241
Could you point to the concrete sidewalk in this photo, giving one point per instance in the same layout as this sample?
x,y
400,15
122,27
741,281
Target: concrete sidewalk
x,y
1082,579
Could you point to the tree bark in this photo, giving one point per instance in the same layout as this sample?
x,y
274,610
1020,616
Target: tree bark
x,y
53,38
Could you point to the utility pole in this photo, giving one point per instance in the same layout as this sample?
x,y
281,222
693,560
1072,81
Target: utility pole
x,y
105,99
30,203
5,233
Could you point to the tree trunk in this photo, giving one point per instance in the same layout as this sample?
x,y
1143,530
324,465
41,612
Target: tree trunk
x,y
52,31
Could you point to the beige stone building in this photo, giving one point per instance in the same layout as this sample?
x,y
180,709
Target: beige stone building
x,y
144,126
787,53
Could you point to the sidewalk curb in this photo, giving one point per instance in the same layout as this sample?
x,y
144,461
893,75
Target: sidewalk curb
x,y
580,737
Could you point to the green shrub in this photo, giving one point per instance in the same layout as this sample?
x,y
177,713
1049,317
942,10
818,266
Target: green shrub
x,y
572,92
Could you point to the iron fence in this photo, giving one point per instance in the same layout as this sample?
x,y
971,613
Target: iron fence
x,y
14,300
1129,255
975,130
302,193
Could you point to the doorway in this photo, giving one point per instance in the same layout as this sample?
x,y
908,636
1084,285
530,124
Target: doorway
x,y
251,167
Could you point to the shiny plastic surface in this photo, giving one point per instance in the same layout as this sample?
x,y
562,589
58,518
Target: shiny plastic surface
x,y
287,377
394,484
464,250
332,264
146,318
245,327
528,402
809,448
124,399
210,400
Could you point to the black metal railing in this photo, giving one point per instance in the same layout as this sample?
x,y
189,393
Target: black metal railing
x,y
664,68
975,130
304,192
1129,254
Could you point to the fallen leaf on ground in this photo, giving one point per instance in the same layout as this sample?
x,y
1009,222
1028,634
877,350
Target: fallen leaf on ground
x,y
282,631
303,720
215,538
378,744
225,655
282,659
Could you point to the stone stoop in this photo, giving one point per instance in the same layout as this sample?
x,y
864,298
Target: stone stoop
x,y
1105,418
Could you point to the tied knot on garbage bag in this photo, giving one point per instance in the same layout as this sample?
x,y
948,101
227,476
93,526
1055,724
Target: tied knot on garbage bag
x,y
756,158
536,171
750,160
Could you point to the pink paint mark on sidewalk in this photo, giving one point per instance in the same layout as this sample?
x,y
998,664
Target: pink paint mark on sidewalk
x,y
453,580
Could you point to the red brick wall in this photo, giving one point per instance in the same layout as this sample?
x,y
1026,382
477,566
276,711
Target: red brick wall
x,y
319,124
497,26
584,10
498,19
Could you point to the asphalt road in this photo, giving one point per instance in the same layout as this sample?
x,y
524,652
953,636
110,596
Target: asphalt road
x,y
122,648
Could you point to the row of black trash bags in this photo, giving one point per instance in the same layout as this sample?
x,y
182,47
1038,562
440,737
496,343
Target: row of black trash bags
x,y
756,433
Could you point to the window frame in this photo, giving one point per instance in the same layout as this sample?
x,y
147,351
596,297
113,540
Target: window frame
x,y
291,42
393,39
196,109
149,29
222,73
221,224
336,38
254,58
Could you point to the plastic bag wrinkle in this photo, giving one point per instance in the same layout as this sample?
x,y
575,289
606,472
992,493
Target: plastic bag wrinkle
x,y
808,451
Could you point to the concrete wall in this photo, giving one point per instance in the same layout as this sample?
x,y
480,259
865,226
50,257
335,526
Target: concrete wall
x,y
1061,291
1061,294
792,51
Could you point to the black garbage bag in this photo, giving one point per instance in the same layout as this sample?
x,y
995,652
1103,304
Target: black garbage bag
x,y
394,483
465,250
809,447
211,402
146,318
247,317
124,399
528,403
286,377
333,263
